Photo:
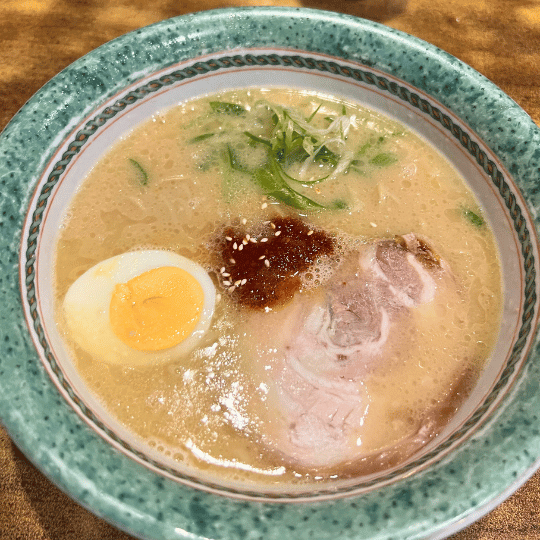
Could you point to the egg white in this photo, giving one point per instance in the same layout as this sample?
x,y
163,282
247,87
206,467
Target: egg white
x,y
86,307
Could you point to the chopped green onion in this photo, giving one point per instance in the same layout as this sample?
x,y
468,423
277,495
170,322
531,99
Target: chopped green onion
x,y
312,115
293,149
273,185
232,109
357,170
230,169
258,139
340,204
363,149
201,138
326,156
233,161
476,219
383,160
141,173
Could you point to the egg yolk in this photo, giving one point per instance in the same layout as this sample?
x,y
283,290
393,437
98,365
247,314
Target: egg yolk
x,y
157,309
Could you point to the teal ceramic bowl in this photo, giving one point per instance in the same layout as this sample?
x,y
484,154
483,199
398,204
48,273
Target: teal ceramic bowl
x,y
493,444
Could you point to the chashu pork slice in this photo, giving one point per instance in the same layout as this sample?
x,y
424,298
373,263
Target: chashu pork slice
x,y
316,352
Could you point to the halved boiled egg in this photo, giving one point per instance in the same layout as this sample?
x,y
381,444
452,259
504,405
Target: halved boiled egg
x,y
140,307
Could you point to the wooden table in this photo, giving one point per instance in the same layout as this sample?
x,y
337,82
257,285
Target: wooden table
x,y
500,38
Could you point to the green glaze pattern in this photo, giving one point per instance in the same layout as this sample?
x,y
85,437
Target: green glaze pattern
x,y
434,501
201,68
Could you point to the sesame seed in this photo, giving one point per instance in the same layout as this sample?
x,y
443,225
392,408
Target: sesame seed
x,y
277,233
266,263
222,270
231,289
310,233
218,297
235,246
243,282
264,205
373,224
226,274
244,241
244,221
248,237
264,239
273,225
228,238
262,257
253,240
240,247
226,283
232,261
237,282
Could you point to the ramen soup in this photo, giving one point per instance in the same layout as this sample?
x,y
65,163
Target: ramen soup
x,y
278,286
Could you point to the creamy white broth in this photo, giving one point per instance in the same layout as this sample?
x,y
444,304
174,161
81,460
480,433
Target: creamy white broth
x,y
214,409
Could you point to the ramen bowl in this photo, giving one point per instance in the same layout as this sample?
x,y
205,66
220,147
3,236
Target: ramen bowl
x,y
492,444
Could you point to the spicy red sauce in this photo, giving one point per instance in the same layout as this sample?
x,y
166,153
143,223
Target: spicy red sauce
x,y
262,267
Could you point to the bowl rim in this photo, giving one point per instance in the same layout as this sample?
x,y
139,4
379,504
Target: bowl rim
x,y
87,484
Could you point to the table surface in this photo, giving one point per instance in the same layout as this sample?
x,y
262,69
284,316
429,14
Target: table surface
x,y
499,38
